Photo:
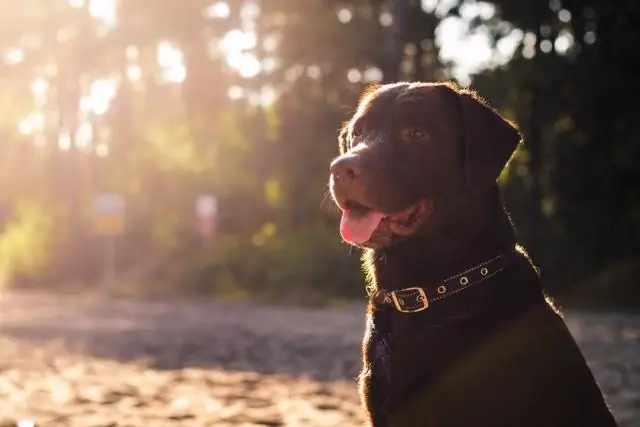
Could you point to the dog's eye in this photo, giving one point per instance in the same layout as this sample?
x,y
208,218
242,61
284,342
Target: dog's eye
x,y
413,133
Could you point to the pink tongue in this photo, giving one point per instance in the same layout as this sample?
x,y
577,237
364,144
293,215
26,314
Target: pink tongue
x,y
356,228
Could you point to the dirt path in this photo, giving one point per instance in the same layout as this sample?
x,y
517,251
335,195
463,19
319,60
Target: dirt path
x,y
76,362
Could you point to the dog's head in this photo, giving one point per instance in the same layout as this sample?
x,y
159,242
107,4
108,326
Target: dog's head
x,y
412,151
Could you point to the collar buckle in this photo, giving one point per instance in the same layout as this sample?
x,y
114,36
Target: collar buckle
x,y
410,300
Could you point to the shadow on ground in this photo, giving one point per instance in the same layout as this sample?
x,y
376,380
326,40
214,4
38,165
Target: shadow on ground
x,y
321,344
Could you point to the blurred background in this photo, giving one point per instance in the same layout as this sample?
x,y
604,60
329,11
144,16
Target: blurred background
x,y
161,152
169,147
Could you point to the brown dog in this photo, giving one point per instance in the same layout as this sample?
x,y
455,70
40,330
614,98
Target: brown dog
x,y
459,332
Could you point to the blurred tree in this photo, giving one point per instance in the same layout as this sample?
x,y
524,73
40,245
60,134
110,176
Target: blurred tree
x,y
162,101
574,71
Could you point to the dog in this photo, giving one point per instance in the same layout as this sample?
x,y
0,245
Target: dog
x,y
458,329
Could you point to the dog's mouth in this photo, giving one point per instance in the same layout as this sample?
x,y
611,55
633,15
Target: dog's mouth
x,y
360,224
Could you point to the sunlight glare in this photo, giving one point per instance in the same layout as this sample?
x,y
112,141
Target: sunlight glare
x,y
344,15
255,99
269,43
104,10
563,42
171,60
247,65
168,55
249,12
293,73
469,52
34,122
269,96
589,37
39,89
546,46
529,39
564,16
429,5
134,73
234,46
439,7
269,65
354,75
484,11
235,92
386,19
84,135
238,40
220,10
373,74
528,52
85,104
176,74
507,45
14,56
100,96
64,141
314,72
529,45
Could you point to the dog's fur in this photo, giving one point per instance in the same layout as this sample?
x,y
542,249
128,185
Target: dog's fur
x,y
496,354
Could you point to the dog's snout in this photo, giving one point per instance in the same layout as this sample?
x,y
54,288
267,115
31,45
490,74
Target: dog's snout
x,y
346,168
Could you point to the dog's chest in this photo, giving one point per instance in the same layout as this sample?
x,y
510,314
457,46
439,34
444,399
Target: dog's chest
x,y
404,356
376,368
381,362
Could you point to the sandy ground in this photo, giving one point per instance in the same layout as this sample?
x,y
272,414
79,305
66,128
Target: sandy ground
x,y
93,363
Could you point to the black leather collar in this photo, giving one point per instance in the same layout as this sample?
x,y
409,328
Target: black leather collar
x,y
419,298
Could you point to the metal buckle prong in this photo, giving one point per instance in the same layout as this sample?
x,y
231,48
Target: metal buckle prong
x,y
422,297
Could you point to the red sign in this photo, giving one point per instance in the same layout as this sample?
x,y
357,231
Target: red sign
x,y
206,226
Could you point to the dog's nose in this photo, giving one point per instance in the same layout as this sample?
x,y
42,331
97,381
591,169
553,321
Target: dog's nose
x,y
346,168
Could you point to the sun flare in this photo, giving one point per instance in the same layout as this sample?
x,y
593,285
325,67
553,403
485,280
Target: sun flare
x,y
236,46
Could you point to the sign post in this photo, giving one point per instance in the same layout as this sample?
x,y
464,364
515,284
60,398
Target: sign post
x,y
109,209
206,213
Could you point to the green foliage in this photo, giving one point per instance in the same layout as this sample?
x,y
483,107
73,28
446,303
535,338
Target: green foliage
x,y
26,242
305,265
574,192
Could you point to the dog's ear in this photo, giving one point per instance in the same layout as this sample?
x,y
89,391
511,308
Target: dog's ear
x,y
489,141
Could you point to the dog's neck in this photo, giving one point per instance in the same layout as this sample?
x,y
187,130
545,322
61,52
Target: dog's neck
x,y
478,231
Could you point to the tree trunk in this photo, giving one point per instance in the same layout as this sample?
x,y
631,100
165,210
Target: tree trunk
x,y
395,40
